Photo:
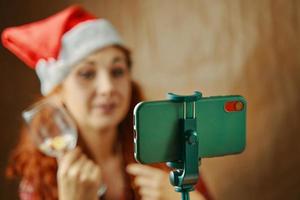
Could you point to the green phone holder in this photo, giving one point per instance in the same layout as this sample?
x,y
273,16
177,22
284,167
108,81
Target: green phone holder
x,y
186,171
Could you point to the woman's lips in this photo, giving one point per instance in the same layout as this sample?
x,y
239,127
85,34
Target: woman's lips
x,y
105,108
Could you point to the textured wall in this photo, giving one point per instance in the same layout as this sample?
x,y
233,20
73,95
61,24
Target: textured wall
x,y
219,47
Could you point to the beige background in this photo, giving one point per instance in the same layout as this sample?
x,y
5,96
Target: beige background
x,y
248,47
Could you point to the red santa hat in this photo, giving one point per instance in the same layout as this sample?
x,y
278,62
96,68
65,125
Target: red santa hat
x,y
53,45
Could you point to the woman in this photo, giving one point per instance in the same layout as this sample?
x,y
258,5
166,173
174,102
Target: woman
x,y
83,63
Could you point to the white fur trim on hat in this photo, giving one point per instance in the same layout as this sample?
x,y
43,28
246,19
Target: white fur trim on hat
x,y
76,44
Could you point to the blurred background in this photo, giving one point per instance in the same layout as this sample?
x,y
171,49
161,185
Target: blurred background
x,y
247,47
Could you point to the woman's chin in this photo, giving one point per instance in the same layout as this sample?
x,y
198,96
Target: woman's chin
x,y
101,120
104,123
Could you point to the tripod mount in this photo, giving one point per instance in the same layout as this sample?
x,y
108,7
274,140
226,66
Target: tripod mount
x,y
185,172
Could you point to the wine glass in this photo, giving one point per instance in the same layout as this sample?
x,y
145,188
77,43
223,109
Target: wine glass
x,y
51,127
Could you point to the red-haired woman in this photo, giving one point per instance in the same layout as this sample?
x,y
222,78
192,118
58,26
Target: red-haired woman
x,y
82,62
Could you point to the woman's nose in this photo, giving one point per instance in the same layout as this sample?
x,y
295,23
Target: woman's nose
x,y
104,84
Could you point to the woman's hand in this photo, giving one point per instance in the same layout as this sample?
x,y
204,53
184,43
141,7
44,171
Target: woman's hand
x,y
153,183
78,177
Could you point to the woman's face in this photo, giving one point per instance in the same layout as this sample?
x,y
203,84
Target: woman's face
x,y
97,92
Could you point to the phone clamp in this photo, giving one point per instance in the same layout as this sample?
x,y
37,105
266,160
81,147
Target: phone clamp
x,y
185,174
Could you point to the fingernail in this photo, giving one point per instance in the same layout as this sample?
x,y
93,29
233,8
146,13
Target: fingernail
x,y
130,168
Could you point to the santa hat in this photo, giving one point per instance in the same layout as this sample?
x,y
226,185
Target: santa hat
x,y
53,45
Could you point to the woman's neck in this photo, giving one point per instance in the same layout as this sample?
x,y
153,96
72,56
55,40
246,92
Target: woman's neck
x,y
100,143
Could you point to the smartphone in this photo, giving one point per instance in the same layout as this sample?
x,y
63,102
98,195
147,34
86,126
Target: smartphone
x,y
220,124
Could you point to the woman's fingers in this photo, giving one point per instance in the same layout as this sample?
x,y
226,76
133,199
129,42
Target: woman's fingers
x,y
90,173
149,193
143,181
142,170
146,176
153,183
67,160
75,169
76,166
78,176
96,174
85,171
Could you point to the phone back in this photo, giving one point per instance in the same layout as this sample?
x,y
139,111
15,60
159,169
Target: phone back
x,y
158,137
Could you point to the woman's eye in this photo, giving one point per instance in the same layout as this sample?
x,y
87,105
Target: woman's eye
x,y
87,74
118,72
